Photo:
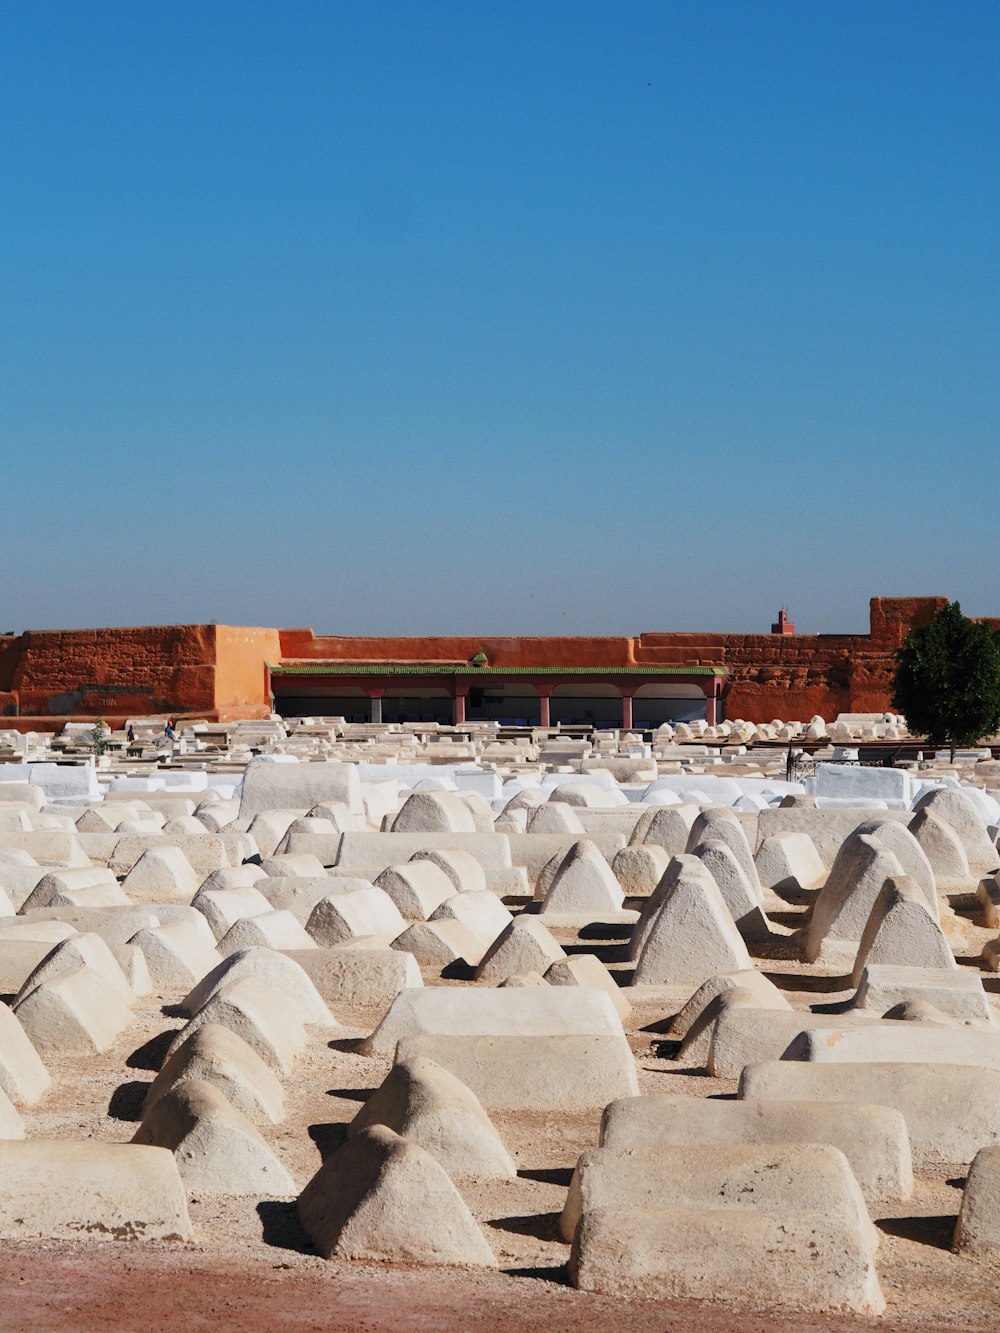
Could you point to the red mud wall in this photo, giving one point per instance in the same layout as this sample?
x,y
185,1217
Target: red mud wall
x,y
566,650
770,675
114,673
240,674
795,676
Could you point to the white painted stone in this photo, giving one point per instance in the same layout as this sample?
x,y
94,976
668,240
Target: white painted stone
x,y
525,946
542,1048
216,1147
87,950
898,839
584,886
259,1012
951,1111
901,932
691,936
789,861
222,908
23,1077
804,1261
638,869
437,944
417,888
270,930
267,786
462,868
434,812
874,1139
77,1013
276,969
555,817
945,852
217,1055
767,993
177,955
162,874
427,1105
365,972
782,1178
724,826
739,895
977,1231
952,992
956,807
479,911
847,782
900,1043
380,1199
844,904
585,969
340,917
668,828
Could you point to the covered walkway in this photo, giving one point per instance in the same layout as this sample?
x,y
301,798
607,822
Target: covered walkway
x,y
453,694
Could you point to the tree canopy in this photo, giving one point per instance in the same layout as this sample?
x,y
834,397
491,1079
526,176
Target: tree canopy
x,y
947,681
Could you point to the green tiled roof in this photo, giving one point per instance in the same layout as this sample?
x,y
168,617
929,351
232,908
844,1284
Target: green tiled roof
x,y
464,669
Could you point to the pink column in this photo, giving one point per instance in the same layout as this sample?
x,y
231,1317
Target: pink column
x,y
626,707
712,705
544,705
460,693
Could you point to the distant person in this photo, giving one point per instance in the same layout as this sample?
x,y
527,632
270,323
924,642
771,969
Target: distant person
x,y
168,730
130,734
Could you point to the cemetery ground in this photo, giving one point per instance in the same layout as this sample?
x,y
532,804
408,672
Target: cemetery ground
x,y
250,1266
586,922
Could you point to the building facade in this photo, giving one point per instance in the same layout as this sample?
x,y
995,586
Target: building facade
x,y
224,672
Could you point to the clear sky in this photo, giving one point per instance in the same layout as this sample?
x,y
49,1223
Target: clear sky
x,y
527,315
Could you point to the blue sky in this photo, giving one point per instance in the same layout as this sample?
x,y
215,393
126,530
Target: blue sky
x,y
511,317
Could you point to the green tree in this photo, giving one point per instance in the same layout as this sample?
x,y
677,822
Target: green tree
x,y
98,737
947,681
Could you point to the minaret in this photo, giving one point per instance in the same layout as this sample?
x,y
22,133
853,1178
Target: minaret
x,y
783,625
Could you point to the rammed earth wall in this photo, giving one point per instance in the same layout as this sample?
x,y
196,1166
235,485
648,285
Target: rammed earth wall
x,y
220,671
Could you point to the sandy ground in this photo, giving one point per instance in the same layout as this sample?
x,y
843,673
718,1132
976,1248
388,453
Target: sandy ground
x,y
250,1266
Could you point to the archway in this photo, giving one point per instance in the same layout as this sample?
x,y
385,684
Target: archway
x,y
410,702
655,704
512,702
307,696
589,703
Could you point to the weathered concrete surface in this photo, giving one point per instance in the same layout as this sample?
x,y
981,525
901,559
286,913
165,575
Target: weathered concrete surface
x,y
977,1231
215,1054
903,1043
259,1012
800,1262
362,971
216,1147
874,1139
76,1013
90,1191
952,991
427,1105
951,1111
547,1048
269,786
779,1178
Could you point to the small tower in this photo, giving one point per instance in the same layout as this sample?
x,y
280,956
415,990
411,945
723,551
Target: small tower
x,y
783,625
